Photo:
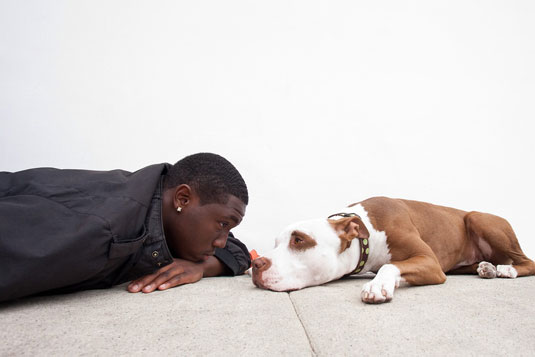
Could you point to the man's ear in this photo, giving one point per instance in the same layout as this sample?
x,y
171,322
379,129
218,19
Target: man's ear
x,y
349,228
182,196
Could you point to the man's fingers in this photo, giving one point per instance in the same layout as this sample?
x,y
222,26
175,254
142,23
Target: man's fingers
x,y
145,283
151,282
136,285
189,273
161,279
176,280
177,273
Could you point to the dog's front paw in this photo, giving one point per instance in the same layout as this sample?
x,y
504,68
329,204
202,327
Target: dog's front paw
x,y
486,270
381,288
373,293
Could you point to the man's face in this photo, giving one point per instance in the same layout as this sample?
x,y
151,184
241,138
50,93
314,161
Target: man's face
x,y
195,232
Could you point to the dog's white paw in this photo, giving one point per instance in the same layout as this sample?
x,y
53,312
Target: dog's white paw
x,y
506,271
381,288
376,293
486,270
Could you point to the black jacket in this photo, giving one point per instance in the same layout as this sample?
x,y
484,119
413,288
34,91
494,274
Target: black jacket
x,y
68,230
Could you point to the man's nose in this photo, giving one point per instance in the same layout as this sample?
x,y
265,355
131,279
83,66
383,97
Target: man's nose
x,y
261,264
221,241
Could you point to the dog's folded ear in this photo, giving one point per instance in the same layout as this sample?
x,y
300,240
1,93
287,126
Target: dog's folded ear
x,y
349,228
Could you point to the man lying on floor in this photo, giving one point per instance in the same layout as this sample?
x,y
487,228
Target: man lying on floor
x,y
161,226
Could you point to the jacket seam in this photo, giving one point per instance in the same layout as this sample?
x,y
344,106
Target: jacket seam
x,y
83,193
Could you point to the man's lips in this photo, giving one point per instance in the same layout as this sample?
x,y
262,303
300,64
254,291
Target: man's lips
x,y
207,255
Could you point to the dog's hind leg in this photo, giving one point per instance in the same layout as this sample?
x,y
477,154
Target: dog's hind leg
x,y
504,252
468,269
483,269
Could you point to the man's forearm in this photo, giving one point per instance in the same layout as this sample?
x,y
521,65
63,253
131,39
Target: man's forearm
x,y
213,267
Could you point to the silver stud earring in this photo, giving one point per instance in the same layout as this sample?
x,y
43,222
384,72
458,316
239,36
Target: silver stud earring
x,y
179,209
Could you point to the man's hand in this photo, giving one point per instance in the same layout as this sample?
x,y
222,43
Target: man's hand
x,y
177,273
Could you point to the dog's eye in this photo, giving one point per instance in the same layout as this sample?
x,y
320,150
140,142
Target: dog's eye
x,y
301,241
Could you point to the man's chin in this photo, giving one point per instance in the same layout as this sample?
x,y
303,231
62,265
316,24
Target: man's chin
x,y
194,258
197,257
205,257
201,258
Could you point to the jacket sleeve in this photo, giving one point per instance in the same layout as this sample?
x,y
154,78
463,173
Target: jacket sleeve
x,y
235,256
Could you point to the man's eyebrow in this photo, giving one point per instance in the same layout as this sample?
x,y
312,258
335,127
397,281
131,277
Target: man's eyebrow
x,y
233,218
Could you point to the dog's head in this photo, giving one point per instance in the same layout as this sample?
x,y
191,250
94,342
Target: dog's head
x,y
309,253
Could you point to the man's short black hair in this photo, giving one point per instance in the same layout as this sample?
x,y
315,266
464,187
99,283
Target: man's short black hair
x,y
211,176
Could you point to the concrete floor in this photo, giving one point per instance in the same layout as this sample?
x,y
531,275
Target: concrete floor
x,y
466,316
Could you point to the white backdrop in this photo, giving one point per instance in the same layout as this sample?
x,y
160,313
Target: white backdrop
x,y
318,103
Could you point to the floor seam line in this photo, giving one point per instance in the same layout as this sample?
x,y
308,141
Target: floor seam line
x,y
303,326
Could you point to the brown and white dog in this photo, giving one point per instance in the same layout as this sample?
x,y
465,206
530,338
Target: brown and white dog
x,y
399,240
